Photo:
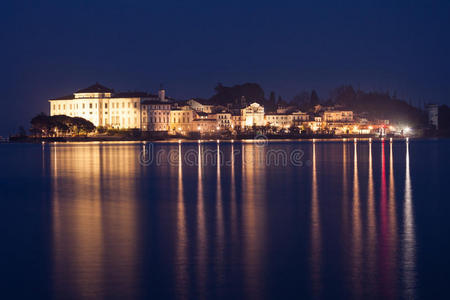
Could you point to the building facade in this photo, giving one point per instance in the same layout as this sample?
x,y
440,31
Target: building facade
x,y
106,108
155,115
338,115
200,107
278,120
181,121
224,120
253,115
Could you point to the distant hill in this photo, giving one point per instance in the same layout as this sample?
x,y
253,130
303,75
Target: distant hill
x,y
378,105
375,105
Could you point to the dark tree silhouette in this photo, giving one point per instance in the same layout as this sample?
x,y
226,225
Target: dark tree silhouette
x,y
251,91
44,125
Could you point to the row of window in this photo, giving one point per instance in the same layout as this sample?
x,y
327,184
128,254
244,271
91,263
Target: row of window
x,y
179,113
156,119
92,105
115,120
278,117
117,105
177,120
75,106
119,113
156,107
156,113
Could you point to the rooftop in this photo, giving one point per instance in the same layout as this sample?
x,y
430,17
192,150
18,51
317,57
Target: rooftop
x,y
67,97
96,88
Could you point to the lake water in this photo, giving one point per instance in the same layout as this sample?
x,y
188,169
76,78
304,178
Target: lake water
x,y
276,220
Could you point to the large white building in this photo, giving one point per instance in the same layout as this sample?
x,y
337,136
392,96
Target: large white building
x,y
104,107
253,115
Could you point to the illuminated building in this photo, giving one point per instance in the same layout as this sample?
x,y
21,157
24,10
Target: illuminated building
x,y
104,107
237,120
278,120
253,115
315,125
224,120
205,125
181,120
299,116
155,115
199,107
338,115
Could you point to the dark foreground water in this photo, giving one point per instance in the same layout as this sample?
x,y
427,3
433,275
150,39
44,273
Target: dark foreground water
x,y
276,221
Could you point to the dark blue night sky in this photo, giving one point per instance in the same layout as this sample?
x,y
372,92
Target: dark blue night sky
x,y
51,49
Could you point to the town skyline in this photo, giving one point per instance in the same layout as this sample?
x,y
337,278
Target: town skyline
x,y
232,113
420,104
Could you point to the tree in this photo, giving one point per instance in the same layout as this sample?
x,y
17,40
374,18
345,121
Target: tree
x,y
301,100
271,104
314,99
43,125
281,102
223,94
344,95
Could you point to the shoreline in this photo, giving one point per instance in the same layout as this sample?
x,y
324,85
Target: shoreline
x,y
242,138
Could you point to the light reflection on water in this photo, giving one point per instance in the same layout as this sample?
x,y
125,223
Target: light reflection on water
x,y
356,246
94,220
409,239
214,237
315,229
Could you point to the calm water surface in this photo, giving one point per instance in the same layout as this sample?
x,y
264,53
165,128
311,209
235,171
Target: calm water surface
x,y
85,221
